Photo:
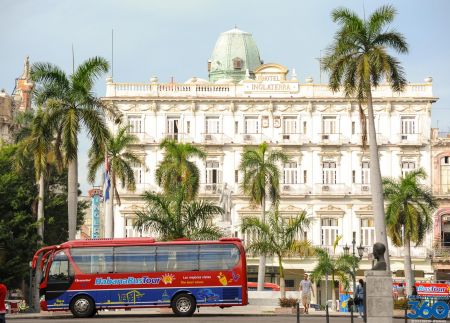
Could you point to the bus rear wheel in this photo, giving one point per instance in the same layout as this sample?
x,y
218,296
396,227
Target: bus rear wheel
x,y
82,306
183,305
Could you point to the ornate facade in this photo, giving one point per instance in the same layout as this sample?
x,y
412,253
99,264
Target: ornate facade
x,y
328,176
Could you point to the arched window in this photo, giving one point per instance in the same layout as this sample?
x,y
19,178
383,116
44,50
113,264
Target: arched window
x,y
237,63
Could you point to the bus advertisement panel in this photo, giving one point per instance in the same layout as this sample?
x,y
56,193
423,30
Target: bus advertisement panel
x,y
85,276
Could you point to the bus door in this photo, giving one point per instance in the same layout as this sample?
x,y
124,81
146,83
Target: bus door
x,y
59,279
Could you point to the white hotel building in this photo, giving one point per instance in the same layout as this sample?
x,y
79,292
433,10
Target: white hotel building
x,y
246,102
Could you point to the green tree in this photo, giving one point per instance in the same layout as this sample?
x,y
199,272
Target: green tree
x,y
276,237
176,169
173,216
358,60
120,159
408,214
73,105
340,267
261,179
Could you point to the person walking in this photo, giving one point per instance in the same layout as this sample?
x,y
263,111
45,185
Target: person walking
x,y
359,297
3,291
306,290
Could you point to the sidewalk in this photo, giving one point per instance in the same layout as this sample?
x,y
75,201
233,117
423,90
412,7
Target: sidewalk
x,y
250,310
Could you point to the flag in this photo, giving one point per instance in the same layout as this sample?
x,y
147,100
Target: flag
x,y
107,182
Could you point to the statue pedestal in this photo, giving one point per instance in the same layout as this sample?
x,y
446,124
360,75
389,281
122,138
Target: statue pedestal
x,y
379,302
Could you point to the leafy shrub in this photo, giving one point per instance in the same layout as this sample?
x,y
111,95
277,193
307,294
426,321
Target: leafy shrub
x,y
287,302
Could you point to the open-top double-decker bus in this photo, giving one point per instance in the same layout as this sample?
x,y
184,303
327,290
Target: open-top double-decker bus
x,y
85,276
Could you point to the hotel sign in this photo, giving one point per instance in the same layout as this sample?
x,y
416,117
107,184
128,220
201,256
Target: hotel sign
x,y
271,87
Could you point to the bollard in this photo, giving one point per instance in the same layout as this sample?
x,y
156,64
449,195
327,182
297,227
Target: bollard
x,y
327,315
298,312
351,312
406,314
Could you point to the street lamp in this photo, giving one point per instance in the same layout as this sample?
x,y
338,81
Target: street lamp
x,y
360,255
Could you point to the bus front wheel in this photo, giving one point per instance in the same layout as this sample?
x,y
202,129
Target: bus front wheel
x,y
82,306
183,305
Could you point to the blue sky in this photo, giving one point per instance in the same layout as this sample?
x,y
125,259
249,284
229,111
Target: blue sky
x,y
176,37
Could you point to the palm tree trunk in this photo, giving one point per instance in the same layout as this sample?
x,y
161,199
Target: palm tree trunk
x,y
282,282
72,197
40,214
333,294
409,277
262,258
109,216
375,182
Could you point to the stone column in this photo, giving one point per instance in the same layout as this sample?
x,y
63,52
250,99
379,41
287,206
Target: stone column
x,y
379,302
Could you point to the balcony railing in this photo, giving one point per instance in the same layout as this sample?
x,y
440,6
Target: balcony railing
x,y
362,189
443,189
210,188
409,138
293,189
331,189
292,138
330,138
252,138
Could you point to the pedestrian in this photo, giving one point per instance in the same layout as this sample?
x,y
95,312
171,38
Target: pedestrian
x,y
359,297
306,289
414,293
3,291
401,291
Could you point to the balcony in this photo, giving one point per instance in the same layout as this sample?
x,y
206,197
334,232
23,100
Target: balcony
x,y
330,139
214,138
292,139
331,189
210,188
361,189
410,139
295,189
178,136
252,138
143,138
443,189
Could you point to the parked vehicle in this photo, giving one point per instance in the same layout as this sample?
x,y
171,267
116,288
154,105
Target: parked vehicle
x,y
252,286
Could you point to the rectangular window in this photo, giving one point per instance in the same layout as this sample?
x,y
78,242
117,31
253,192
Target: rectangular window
x,y
137,171
93,260
236,127
212,125
367,232
213,174
138,259
353,176
290,173
305,127
329,172
251,125
365,172
188,127
408,125
445,175
329,125
305,176
236,176
407,167
289,125
353,127
177,258
329,230
134,124
173,129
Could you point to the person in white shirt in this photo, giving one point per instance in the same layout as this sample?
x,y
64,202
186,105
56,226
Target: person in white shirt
x,y
306,290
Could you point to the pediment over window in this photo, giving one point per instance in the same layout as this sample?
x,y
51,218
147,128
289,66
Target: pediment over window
x,y
330,211
249,209
365,211
291,209
130,211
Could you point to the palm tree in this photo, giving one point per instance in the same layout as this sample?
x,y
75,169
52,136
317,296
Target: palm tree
x,y
177,169
408,214
173,216
340,267
277,237
120,160
358,60
73,105
261,178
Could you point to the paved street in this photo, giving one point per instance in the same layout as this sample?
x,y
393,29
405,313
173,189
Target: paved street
x,y
196,318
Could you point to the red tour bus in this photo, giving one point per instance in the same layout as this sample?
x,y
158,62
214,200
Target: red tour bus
x,y
85,276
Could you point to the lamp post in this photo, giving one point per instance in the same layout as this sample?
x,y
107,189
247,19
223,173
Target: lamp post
x,y
360,255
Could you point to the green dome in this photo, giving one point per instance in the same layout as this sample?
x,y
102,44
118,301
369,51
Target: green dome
x,y
234,53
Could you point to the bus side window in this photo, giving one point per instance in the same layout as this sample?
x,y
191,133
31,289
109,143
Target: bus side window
x,y
93,260
137,259
218,257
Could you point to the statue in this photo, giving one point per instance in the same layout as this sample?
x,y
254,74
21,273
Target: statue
x,y
26,68
225,202
378,253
